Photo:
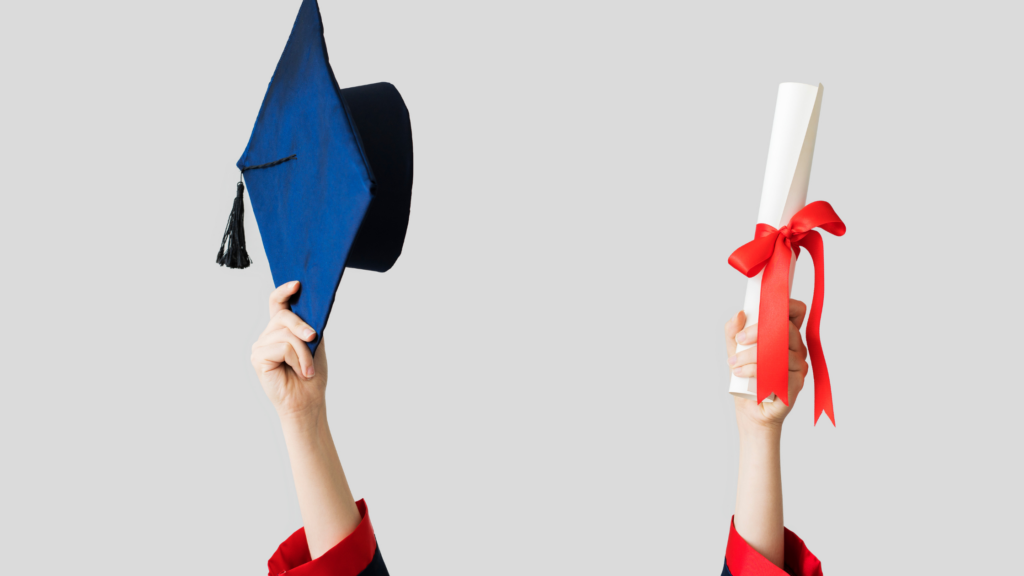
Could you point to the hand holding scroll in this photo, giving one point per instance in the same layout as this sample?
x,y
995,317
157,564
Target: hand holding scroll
x,y
744,364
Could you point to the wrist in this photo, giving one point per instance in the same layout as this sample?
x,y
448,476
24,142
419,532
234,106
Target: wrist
x,y
307,423
760,434
304,408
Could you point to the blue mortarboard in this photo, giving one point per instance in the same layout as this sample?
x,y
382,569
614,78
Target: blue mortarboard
x,y
329,174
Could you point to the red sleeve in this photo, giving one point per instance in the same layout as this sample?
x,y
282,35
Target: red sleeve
x,y
742,560
348,558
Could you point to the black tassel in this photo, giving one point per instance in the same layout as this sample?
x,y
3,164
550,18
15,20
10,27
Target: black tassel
x,y
234,236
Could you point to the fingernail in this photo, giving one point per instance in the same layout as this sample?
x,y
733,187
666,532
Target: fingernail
x,y
741,337
736,371
308,334
732,360
309,371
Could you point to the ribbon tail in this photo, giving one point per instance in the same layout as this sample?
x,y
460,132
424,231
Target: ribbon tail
x,y
822,385
773,326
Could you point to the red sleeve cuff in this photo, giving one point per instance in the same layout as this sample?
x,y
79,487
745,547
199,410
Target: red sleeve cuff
x,y
348,558
742,560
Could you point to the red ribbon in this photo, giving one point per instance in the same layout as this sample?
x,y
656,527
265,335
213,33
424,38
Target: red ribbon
x,y
770,251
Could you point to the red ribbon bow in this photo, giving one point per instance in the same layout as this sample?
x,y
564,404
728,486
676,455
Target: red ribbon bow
x,y
770,251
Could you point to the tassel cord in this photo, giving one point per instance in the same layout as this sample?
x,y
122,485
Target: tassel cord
x,y
232,251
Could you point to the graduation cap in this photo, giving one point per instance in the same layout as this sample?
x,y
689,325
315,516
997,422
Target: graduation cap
x,y
329,172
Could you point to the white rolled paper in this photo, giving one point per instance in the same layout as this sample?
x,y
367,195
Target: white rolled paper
x,y
784,193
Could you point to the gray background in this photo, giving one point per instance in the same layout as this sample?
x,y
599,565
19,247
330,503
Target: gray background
x,y
539,385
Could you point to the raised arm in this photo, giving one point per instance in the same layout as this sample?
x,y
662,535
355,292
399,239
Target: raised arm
x,y
295,381
758,517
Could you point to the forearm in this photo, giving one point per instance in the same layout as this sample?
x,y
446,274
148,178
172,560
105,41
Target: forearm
x,y
759,493
329,513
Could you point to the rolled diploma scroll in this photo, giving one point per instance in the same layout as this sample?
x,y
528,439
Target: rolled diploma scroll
x,y
784,193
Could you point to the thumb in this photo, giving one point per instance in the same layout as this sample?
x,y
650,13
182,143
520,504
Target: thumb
x,y
320,359
733,327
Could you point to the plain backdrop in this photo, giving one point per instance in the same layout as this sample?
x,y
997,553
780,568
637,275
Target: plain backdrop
x,y
539,385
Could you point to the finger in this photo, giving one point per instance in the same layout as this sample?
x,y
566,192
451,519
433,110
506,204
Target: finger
x,y
320,360
796,382
279,297
748,336
268,357
797,310
796,342
748,356
302,359
291,321
796,361
732,327
746,371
